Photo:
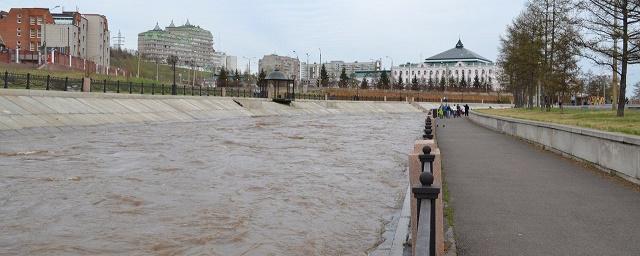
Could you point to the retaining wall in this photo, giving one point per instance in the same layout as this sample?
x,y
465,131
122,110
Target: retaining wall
x,y
616,153
37,108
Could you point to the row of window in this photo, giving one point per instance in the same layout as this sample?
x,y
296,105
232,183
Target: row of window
x,y
413,72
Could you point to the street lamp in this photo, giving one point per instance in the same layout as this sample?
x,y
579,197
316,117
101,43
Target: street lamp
x,y
172,60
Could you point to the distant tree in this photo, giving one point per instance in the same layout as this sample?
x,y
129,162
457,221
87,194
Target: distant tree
x,y
430,84
414,84
222,77
476,82
236,76
344,79
261,77
324,76
452,82
384,81
365,84
463,82
443,83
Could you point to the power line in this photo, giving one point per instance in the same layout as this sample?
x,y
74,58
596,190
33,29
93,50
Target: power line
x,y
119,40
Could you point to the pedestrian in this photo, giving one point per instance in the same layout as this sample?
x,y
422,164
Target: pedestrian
x,y
466,110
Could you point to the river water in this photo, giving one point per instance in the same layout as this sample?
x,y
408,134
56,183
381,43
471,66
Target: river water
x,y
303,185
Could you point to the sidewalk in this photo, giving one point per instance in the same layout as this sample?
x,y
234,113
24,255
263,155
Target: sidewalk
x,y
510,198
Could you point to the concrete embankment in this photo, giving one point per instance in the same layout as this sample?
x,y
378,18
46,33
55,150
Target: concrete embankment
x,y
40,109
615,153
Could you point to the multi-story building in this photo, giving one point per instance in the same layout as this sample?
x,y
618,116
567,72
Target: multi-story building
x,y
68,34
222,60
334,69
98,41
192,45
21,28
287,65
454,64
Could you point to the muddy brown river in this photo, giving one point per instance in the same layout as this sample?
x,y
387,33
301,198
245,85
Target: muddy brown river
x,y
303,185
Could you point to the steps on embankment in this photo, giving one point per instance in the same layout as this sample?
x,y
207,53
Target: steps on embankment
x,y
34,108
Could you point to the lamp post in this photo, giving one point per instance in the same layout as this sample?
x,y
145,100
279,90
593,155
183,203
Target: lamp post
x,y
320,66
296,74
307,70
172,60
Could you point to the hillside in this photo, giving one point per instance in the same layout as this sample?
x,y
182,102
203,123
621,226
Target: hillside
x,y
129,62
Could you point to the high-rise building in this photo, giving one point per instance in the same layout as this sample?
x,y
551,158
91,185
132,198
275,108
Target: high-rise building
x,y
287,65
222,60
192,45
68,34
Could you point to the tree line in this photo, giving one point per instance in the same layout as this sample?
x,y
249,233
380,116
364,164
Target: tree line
x,y
541,48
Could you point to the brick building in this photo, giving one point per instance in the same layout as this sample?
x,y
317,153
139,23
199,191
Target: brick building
x,y
21,28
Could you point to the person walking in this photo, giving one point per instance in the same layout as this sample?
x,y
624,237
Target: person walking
x,y
466,109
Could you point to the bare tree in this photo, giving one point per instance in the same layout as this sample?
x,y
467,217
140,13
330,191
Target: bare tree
x,y
607,24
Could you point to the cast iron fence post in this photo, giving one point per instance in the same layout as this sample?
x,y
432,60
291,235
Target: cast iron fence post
x,y
207,90
162,87
427,157
117,86
130,87
28,81
6,79
428,129
153,89
426,195
104,86
200,90
184,90
66,83
48,81
141,87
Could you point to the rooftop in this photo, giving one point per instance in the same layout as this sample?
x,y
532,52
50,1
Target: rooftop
x,y
459,53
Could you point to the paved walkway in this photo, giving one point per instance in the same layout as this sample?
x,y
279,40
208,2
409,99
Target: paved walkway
x,y
511,198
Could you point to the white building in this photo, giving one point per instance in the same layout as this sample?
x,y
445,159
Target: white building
x,y
334,69
98,42
287,65
222,60
453,64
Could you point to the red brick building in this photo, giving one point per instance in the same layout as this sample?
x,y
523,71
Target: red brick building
x,y
21,28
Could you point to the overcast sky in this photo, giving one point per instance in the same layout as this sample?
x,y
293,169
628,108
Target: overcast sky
x,y
405,30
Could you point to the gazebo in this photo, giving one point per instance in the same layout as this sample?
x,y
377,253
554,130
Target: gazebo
x,y
273,82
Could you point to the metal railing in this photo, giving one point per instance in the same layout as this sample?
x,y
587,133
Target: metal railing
x,y
426,194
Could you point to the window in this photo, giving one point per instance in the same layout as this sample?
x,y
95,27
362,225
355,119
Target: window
x,y
39,20
32,20
19,21
32,33
32,46
39,33
19,43
19,34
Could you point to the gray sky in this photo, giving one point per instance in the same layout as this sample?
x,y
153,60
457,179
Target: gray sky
x,y
405,30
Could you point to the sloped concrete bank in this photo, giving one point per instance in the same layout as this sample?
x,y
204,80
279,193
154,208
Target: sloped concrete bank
x,y
20,109
615,153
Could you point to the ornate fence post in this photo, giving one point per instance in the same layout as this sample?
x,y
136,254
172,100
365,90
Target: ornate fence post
x,y
427,157
426,195
162,87
66,83
104,86
6,79
28,81
428,129
153,88
117,86
48,82
141,87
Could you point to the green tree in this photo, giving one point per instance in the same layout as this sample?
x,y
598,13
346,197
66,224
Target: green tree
x,y
261,78
476,82
222,77
430,83
364,84
414,84
384,80
443,83
324,76
463,82
400,81
344,79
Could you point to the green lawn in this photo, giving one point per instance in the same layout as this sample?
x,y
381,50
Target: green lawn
x,y
605,120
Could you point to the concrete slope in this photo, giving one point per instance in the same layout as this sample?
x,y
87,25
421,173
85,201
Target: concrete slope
x,y
511,198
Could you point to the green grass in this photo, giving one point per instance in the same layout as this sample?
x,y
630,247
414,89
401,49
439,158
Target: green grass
x,y
605,120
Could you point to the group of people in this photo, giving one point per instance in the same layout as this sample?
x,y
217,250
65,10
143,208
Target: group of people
x,y
446,111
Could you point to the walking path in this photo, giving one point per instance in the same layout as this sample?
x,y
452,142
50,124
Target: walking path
x,y
511,198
